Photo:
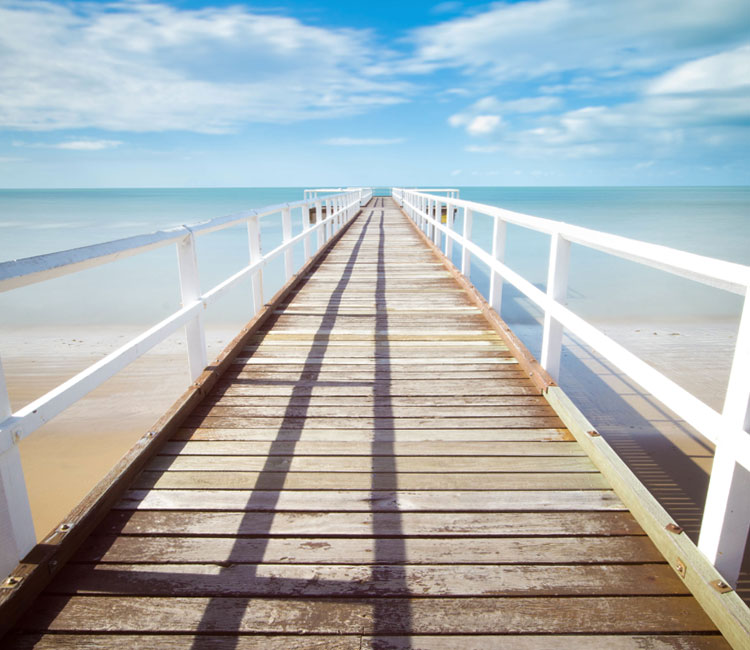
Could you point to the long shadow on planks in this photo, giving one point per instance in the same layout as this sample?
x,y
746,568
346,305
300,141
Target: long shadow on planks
x,y
259,512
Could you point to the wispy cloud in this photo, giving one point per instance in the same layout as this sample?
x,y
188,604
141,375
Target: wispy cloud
x,y
678,81
74,145
361,142
139,66
626,35
88,145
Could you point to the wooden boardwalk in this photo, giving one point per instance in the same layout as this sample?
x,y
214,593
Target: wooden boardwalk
x,y
375,470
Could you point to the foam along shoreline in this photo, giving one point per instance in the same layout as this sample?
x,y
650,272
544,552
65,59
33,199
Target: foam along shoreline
x,y
64,459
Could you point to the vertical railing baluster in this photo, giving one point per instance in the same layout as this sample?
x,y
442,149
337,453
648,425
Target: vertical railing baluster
x,y
438,220
253,236
465,254
306,230
17,536
726,518
498,253
318,219
190,291
557,289
286,232
449,226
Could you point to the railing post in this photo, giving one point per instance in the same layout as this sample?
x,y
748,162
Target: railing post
x,y
726,518
449,226
306,229
17,536
318,219
329,224
438,219
190,291
286,231
465,255
557,289
253,236
498,252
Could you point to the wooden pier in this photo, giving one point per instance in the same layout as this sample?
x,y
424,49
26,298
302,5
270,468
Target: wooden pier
x,y
375,465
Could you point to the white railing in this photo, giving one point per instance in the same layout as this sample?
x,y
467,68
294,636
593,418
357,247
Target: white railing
x,y
726,518
17,534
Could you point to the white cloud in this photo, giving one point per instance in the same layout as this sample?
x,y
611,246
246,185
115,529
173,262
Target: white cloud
x,y
75,145
361,142
541,38
88,145
139,66
10,159
726,71
489,148
483,116
484,124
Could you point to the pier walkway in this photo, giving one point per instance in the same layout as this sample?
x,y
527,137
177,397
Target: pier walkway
x,y
375,468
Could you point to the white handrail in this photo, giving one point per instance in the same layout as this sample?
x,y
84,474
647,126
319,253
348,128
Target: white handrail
x,y
726,519
17,535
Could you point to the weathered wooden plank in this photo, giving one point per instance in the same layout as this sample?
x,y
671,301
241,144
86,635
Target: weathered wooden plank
x,y
310,580
466,362
218,398
381,351
364,480
381,409
555,642
430,464
374,501
437,388
374,330
357,642
182,642
501,615
328,448
390,423
366,524
424,344
379,435
346,375
366,551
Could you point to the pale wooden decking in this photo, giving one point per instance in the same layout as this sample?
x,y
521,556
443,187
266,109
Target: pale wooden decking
x,y
374,472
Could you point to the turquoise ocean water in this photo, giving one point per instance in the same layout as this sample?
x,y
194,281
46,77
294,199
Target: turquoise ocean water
x,y
142,290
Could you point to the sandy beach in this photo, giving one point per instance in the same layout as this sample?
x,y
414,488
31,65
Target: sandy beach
x,y
66,457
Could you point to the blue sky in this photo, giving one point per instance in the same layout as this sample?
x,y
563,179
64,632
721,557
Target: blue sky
x,y
542,92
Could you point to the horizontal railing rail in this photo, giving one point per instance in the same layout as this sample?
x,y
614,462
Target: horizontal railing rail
x,y
726,518
17,535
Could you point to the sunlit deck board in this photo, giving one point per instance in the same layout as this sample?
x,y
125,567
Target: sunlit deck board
x,y
344,488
